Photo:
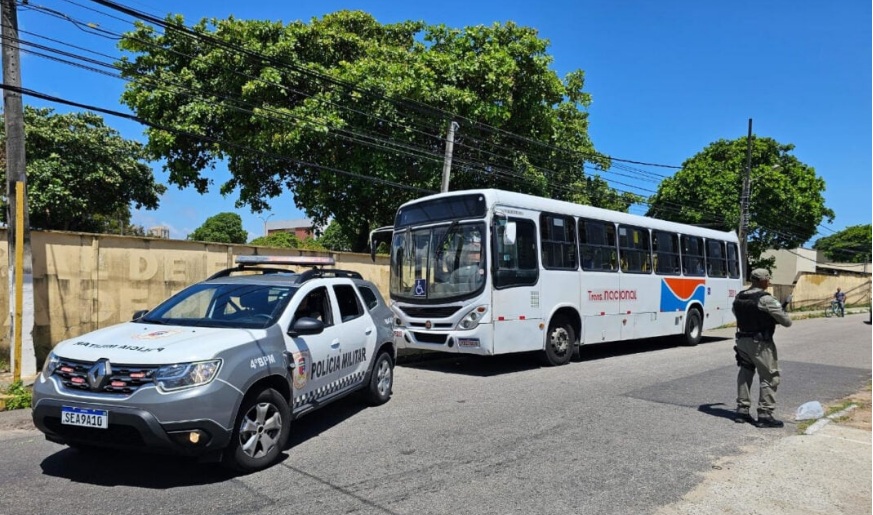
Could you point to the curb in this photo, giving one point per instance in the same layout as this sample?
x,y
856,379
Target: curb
x,y
820,423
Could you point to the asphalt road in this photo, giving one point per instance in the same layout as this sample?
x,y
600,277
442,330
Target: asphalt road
x,y
628,429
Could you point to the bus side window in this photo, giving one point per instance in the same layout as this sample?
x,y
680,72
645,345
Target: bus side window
x,y
516,262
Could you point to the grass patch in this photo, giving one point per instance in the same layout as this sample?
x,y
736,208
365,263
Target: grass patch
x,y
20,396
4,365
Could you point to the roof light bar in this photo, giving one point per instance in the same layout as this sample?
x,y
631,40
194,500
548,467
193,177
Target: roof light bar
x,y
286,260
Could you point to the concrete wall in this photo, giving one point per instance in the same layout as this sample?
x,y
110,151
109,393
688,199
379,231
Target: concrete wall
x,y
83,282
814,291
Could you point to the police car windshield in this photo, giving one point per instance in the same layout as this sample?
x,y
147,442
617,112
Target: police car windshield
x,y
229,305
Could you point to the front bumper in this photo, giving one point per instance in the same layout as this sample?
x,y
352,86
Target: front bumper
x,y
146,421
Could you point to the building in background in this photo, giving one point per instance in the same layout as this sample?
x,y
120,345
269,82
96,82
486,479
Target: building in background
x,y
159,231
302,228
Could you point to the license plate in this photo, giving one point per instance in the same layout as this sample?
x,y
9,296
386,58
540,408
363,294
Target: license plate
x,y
468,342
85,417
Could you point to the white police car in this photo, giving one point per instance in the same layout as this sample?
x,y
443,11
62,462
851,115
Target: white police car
x,y
220,369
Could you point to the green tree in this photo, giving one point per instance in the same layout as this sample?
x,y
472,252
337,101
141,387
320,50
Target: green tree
x,y
221,228
371,102
81,174
851,245
334,238
786,201
282,240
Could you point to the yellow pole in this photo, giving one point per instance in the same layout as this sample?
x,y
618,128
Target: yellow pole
x,y
19,275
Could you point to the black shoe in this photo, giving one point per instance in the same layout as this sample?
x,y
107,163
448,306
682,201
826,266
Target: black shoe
x,y
767,420
741,417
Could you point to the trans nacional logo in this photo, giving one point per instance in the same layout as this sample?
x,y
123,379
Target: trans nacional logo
x,y
676,293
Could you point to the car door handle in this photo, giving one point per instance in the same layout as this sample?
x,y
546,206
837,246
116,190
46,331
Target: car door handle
x,y
335,344
369,330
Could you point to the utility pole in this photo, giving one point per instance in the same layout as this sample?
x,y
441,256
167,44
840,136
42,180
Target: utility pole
x,y
447,163
18,224
744,207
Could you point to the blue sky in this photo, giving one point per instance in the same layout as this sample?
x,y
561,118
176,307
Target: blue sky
x,y
667,78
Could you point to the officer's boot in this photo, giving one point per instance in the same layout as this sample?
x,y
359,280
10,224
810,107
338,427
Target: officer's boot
x,y
765,419
742,415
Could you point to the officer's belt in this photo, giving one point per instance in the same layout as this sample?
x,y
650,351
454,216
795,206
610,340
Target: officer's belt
x,y
754,335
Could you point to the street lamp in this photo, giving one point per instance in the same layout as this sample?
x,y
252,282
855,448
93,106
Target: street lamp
x,y
265,222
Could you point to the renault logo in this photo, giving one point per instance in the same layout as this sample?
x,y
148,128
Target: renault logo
x,y
98,375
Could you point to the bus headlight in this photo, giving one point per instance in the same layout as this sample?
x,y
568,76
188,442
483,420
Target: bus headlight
x,y
185,375
471,320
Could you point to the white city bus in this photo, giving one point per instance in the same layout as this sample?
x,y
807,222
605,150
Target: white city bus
x,y
492,272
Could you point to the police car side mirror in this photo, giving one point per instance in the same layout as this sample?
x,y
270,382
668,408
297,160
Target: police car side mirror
x,y
139,314
305,326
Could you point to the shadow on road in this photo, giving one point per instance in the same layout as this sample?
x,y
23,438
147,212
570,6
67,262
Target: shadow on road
x,y
717,409
487,366
105,467
116,468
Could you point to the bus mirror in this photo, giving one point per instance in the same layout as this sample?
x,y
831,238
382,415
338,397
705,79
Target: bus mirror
x,y
509,234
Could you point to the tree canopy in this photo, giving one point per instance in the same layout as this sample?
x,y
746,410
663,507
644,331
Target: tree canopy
x,y
221,228
786,202
287,240
81,174
351,115
851,245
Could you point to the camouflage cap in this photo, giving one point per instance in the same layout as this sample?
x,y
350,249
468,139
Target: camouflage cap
x,y
761,274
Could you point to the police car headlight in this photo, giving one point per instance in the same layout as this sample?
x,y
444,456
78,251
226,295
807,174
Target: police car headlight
x,y
51,363
186,375
471,320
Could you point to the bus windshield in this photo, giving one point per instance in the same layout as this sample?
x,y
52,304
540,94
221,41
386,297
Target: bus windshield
x,y
438,263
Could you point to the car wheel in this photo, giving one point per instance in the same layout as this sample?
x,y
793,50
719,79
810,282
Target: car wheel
x,y
260,433
693,328
381,380
560,343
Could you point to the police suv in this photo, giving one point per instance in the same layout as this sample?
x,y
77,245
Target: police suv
x,y
220,369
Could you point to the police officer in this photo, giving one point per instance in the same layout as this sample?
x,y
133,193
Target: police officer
x,y
757,314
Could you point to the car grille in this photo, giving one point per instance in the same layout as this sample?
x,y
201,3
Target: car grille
x,y
124,380
429,312
430,338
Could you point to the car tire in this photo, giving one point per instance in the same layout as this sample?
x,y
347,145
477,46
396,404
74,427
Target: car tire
x,y
260,432
693,328
381,382
560,343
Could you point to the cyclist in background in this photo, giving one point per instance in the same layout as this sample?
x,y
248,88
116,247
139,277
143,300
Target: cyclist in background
x,y
840,299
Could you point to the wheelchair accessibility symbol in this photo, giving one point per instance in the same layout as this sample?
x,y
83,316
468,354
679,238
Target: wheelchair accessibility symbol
x,y
420,288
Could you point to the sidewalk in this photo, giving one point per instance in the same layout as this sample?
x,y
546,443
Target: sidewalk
x,y
828,471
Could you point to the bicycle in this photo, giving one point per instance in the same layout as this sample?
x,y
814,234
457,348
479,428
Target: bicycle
x,y
833,310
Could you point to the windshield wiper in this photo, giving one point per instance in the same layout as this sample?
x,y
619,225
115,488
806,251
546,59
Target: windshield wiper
x,y
445,238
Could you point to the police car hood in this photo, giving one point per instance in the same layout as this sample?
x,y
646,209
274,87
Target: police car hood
x,y
147,344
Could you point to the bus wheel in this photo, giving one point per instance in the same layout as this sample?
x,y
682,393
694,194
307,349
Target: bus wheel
x,y
693,328
560,343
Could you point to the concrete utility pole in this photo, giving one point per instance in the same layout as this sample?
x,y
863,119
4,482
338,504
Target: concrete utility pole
x,y
18,224
744,207
447,163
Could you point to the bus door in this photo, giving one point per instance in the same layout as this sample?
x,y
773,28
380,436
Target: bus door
x,y
516,295
638,287
601,318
